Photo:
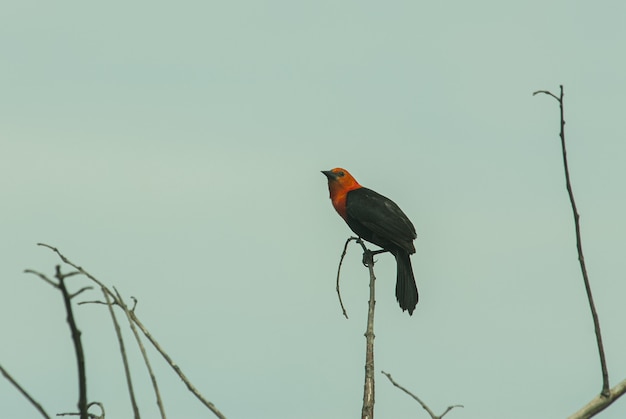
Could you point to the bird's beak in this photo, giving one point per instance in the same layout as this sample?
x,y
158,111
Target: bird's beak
x,y
329,174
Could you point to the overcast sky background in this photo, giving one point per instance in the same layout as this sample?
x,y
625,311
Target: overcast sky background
x,y
174,149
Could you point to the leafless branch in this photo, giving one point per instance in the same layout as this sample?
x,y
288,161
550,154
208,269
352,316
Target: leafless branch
x,y
594,314
343,254
83,289
547,93
600,402
367,411
120,340
42,276
78,346
144,354
424,406
138,323
24,393
175,367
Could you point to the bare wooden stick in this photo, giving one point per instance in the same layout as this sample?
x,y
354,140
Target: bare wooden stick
x,y
343,254
600,402
120,340
579,246
424,406
144,354
367,412
78,346
24,393
176,368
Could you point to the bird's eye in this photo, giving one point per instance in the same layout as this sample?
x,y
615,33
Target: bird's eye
x,y
341,174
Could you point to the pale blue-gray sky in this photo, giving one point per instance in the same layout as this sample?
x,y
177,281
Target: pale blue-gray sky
x,y
174,150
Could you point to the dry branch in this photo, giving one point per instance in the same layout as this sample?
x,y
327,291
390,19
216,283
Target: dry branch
x,y
424,406
579,245
135,320
600,402
24,393
144,354
343,254
368,389
607,395
120,340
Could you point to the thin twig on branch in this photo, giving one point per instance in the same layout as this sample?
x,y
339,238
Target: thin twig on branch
x,y
594,314
120,340
144,354
343,254
24,393
424,406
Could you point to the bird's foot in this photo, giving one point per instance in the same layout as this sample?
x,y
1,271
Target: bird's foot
x,y
368,257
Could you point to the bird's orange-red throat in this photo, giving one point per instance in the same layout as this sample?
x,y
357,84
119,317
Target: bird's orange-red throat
x,y
339,184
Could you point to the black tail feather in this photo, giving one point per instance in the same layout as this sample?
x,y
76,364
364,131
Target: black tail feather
x,y
406,289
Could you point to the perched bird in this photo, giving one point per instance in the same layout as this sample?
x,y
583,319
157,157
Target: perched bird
x,y
380,221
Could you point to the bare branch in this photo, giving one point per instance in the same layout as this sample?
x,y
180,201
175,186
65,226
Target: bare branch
x,y
547,93
594,314
24,393
343,254
176,368
144,354
95,302
78,268
120,340
78,346
600,402
80,290
368,389
424,406
42,276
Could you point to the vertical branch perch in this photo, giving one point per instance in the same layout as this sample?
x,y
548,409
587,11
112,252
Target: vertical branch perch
x,y
368,389
596,322
367,412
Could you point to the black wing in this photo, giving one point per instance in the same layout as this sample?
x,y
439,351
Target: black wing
x,y
379,220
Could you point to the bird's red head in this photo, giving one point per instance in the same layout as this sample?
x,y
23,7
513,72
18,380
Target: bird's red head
x,y
340,182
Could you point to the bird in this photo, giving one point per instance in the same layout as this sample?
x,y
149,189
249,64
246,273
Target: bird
x,y
378,220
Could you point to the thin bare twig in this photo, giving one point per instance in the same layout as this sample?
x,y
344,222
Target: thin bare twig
x,y
343,254
594,314
175,367
120,340
144,354
426,408
83,289
101,406
24,393
42,276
